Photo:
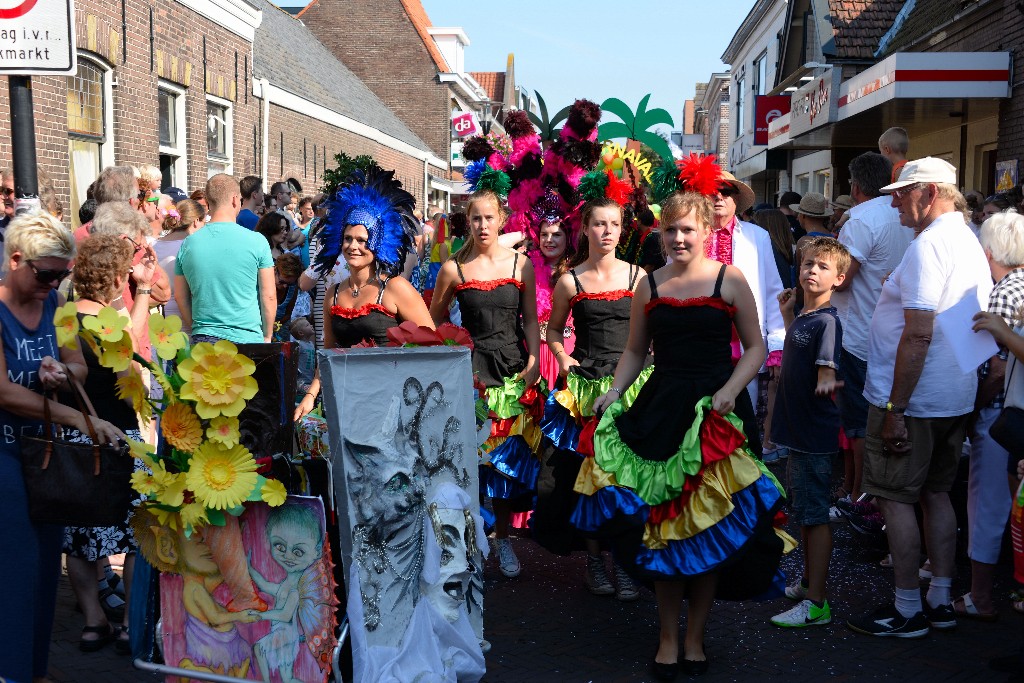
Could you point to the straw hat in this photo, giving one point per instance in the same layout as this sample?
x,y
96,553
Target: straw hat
x,y
745,199
843,201
812,204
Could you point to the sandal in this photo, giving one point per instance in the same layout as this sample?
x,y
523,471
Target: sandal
x,y
105,634
964,607
123,643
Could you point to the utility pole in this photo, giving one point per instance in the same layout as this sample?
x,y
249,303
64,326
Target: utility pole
x,y
23,143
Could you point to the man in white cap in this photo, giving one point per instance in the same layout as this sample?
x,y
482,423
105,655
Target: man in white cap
x,y
877,241
919,398
749,248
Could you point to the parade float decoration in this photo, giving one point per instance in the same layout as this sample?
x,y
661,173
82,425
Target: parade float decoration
x,y
402,428
199,489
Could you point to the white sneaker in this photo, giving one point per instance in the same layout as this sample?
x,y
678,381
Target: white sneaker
x,y
507,560
806,613
797,591
626,590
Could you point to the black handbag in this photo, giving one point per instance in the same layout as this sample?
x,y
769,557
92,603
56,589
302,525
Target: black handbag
x,y
1008,429
76,484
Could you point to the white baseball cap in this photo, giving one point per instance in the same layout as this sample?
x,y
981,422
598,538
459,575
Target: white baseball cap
x,y
926,170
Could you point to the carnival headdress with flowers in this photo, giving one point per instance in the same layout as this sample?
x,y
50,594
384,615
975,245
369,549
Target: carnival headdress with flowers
x,y
693,173
375,200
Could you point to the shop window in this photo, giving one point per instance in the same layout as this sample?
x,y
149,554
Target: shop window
x,y
219,131
173,161
89,138
760,73
741,98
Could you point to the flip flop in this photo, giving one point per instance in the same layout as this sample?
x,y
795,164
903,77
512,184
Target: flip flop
x,y
964,607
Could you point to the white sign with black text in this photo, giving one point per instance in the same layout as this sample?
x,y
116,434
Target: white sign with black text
x,y
37,37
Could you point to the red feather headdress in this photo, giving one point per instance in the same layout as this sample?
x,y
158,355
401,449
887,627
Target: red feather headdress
x,y
699,173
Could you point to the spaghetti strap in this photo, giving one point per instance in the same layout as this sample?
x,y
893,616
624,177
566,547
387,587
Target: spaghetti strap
x,y
380,294
515,266
654,286
458,267
718,283
579,286
337,286
634,273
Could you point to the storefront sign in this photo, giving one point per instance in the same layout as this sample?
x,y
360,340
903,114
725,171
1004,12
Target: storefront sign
x,y
767,108
464,125
815,104
37,37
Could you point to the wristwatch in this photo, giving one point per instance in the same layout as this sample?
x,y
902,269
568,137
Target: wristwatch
x,y
891,407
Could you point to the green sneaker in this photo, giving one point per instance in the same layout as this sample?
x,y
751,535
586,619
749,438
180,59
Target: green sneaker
x,y
806,613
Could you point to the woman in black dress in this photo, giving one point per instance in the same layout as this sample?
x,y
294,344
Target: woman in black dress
x,y
369,223
672,481
496,291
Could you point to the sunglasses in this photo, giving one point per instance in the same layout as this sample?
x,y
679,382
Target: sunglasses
x,y
47,276
904,191
7,191
728,191
154,199
138,247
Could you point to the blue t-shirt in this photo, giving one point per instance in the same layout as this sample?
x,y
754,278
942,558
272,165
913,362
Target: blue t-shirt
x,y
801,420
221,263
247,219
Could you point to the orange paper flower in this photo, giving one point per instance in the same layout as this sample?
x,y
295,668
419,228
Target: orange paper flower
x,y
181,427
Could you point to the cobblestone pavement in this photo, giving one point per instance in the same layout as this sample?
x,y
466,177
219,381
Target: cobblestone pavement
x,y
544,626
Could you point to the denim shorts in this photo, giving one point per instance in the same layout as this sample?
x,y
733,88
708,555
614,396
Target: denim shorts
x,y
810,481
853,407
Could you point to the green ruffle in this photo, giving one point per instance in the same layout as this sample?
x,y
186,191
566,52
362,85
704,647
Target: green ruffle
x,y
504,402
654,482
586,391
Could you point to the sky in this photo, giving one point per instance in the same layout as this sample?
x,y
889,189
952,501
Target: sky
x,y
568,49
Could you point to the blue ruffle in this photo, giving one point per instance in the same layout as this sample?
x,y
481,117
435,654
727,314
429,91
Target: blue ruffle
x,y
707,550
610,507
513,471
559,425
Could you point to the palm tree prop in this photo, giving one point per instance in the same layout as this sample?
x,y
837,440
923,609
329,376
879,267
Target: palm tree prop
x,y
636,126
546,126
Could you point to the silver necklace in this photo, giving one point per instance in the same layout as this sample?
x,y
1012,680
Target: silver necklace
x,y
355,289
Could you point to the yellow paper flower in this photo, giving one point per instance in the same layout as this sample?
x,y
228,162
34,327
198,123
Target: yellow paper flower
x,y
224,430
166,335
167,488
218,379
181,427
132,387
194,515
165,383
142,451
108,324
144,482
273,492
221,478
65,320
117,355
166,518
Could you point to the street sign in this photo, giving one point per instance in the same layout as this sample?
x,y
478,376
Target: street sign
x,y
464,124
37,37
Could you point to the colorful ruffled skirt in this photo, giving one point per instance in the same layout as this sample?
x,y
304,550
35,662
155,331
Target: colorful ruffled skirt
x,y
508,458
710,507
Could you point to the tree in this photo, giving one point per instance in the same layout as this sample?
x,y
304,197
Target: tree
x,y
636,126
548,132
336,176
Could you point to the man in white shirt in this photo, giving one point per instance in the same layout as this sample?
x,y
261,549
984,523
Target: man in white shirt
x,y
749,248
920,400
877,241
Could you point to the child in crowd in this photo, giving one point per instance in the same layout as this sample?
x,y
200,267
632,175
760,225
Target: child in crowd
x,y
806,419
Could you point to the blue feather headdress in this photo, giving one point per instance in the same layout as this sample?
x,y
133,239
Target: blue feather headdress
x,y
376,200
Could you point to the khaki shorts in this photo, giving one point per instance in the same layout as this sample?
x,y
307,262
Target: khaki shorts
x,y
931,464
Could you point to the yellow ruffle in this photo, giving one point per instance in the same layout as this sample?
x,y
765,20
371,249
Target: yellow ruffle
x,y
788,542
568,401
709,504
592,478
523,426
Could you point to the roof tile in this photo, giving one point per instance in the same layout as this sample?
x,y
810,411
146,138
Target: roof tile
x,y
493,83
858,26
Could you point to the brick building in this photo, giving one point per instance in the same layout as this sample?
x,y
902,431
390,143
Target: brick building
x,y
203,86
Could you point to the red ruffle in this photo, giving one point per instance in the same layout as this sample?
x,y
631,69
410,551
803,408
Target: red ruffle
x,y
489,285
613,295
500,426
350,313
586,443
533,401
712,301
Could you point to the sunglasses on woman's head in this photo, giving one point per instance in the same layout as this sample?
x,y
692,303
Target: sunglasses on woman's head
x,y
45,276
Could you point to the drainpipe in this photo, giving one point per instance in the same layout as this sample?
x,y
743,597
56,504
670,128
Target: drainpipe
x,y
265,137
426,186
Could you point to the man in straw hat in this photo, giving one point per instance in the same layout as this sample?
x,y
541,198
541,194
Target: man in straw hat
x,y
920,398
749,248
812,212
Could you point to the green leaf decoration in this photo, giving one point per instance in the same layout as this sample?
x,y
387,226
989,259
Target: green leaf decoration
x,y
256,495
614,105
216,517
545,125
636,126
614,129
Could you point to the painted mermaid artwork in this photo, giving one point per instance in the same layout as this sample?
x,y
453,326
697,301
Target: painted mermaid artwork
x,y
303,602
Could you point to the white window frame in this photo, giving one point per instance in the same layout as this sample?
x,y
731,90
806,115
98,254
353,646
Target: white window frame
x,y
180,168
107,88
741,101
229,135
760,73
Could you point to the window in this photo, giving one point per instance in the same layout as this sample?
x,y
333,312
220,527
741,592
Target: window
x,y
218,136
760,73
89,128
741,97
173,162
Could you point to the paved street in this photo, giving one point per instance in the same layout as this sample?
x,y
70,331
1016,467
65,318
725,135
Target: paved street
x,y
544,626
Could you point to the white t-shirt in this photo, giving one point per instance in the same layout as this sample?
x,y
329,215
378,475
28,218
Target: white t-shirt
x,y
877,240
941,267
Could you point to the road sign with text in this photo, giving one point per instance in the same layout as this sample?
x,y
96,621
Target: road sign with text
x,y
37,37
